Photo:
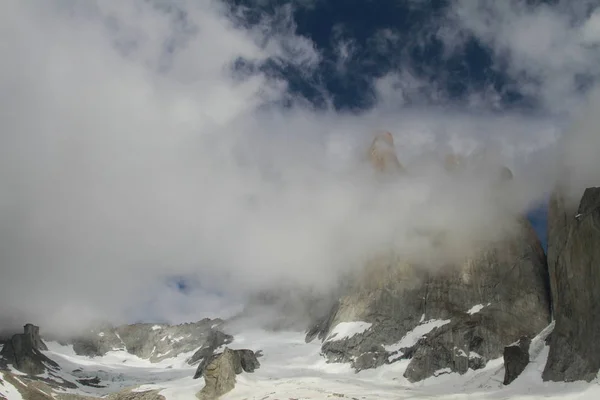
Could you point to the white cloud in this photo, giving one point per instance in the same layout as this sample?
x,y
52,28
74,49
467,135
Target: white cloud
x,y
545,48
124,161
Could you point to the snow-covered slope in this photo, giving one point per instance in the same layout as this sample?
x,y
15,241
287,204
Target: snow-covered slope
x,y
293,369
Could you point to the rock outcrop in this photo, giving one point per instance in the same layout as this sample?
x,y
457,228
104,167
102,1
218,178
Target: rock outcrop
x,y
214,340
219,371
154,342
382,154
574,259
23,351
516,358
444,319
448,320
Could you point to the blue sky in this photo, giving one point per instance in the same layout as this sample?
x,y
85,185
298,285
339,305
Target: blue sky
x,y
182,154
374,38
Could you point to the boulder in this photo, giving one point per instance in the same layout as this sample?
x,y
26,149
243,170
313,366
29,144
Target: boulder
x,y
516,358
219,371
23,351
574,257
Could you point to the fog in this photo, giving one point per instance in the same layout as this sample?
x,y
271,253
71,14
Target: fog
x,y
131,153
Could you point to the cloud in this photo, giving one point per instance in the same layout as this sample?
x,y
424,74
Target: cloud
x,y
549,50
131,151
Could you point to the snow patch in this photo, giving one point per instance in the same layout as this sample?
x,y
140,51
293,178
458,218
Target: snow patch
x,y
346,330
476,308
101,334
156,327
412,337
8,390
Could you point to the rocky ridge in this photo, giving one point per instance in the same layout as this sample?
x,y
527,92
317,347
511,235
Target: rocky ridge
x,y
154,342
449,319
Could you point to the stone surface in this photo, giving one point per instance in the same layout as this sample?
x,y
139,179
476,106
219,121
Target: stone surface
x,y
243,360
220,370
154,342
574,259
23,351
516,358
214,340
507,280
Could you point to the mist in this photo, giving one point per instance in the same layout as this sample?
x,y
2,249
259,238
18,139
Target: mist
x,y
131,152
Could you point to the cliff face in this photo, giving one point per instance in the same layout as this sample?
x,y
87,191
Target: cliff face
x,y
574,265
449,318
473,310
23,351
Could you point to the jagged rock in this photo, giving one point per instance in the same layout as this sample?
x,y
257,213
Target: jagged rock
x,y
370,360
220,370
244,360
507,279
516,358
382,154
91,382
214,340
23,351
574,257
154,342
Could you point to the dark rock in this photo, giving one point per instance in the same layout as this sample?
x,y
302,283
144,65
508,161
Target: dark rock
x,y
154,342
516,358
214,340
369,360
248,360
243,360
220,370
91,382
573,259
508,279
23,351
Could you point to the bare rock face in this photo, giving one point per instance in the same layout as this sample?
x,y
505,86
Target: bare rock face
x,y
154,342
574,259
220,370
23,351
461,316
214,340
516,358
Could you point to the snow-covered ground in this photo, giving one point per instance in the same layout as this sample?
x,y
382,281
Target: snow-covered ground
x,y
292,369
